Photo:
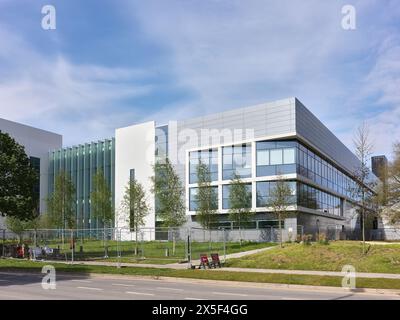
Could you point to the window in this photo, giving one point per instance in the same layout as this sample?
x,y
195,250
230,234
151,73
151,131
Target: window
x,y
288,156
194,201
245,225
225,195
236,160
270,224
265,189
276,157
262,157
207,157
310,197
221,224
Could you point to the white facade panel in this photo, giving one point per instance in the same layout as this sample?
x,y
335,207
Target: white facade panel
x,y
134,149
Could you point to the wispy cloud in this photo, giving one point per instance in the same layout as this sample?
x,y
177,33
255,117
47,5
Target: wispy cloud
x,y
55,94
235,53
212,56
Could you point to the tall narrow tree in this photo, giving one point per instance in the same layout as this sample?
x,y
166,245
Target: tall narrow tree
x,y
239,203
206,198
61,204
101,203
169,194
280,198
135,207
362,190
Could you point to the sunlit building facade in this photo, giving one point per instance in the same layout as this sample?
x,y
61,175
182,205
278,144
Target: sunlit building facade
x,y
259,144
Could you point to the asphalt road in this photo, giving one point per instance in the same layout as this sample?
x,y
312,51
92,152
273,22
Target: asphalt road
x,y
80,287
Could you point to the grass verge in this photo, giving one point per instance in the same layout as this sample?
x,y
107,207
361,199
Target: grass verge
x,y
21,265
331,257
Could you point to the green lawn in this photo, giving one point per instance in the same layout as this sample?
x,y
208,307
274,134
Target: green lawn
x,y
150,251
23,265
331,257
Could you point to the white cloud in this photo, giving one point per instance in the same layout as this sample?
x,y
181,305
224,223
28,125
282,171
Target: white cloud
x,y
55,94
236,53
225,54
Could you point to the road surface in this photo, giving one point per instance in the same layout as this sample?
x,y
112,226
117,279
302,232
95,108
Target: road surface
x,y
72,286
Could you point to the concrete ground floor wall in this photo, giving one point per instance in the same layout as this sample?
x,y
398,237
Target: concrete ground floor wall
x,y
260,233
295,224
315,224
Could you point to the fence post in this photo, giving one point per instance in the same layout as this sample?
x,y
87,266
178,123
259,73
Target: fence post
x,y
72,245
224,233
189,248
105,243
142,242
118,236
4,241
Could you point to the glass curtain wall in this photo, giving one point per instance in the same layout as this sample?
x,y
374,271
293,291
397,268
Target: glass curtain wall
x,y
81,163
285,157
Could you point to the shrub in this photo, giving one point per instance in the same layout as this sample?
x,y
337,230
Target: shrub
x,y
306,239
322,239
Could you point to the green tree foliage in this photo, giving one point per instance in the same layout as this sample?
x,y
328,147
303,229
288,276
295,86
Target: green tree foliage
x,y
17,181
169,197
279,201
169,194
61,203
240,203
135,207
18,226
206,198
101,200
101,204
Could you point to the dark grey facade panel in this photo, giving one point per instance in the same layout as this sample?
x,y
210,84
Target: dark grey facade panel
x,y
318,135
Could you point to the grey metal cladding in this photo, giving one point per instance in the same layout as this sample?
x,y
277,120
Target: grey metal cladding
x,y
272,118
316,133
276,117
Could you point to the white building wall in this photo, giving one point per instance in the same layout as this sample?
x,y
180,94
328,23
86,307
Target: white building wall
x,y
37,144
134,149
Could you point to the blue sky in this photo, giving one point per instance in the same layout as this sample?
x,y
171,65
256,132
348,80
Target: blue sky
x,y
114,63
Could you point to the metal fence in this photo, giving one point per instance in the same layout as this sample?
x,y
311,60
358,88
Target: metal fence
x,y
147,245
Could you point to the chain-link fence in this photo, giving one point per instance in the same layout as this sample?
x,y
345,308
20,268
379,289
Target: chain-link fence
x,y
146,246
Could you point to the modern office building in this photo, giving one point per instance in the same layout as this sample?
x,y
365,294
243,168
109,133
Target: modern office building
x,y
260,144
37,144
